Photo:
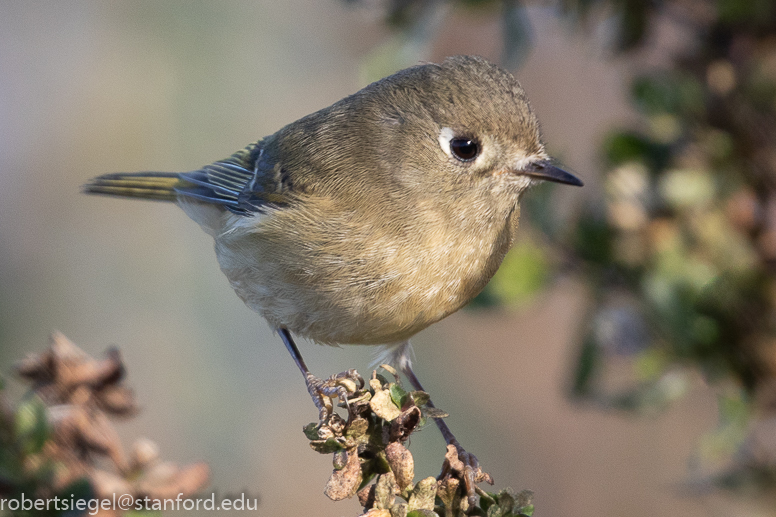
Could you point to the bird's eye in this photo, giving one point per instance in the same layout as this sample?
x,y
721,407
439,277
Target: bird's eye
x,y
465,149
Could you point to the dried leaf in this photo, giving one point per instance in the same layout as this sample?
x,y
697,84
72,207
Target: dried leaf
x,y
402,464
385,491
117,400
400,510
357,428
97,432
405,424
144,453
421,398
390,369
326,446
423,495
433,412
343,483
36,367
167,480
448,493
366,496
106,484
340,459
382,405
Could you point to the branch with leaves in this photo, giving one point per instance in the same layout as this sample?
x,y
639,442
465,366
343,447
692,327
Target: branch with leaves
x,y
369,445
54,442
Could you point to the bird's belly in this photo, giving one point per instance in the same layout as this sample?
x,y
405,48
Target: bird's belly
x,y
342,281
385,298
330,313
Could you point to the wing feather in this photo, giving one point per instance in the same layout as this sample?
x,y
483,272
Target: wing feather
x,y
235,182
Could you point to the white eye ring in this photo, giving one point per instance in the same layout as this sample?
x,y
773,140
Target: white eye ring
x,y
445,135
463,148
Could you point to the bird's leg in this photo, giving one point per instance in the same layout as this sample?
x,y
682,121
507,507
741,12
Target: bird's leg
x,y
463,462
323,391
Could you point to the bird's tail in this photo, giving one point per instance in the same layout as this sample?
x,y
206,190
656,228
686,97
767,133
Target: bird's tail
x,y
161,186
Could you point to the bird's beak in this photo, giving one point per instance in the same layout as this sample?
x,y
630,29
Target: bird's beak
x,y
543,170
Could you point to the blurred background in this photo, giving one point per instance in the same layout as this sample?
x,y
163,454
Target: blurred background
x,y
621,363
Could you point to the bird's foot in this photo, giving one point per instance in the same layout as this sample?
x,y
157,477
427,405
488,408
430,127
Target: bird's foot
x,y
341,385
463,466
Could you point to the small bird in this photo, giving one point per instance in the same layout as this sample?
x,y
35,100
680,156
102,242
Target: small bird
x,y
369,220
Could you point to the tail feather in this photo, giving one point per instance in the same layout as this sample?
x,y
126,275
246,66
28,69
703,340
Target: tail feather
x,y
230,184
145,185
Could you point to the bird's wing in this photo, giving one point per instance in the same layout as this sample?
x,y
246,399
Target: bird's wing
x,y
237,183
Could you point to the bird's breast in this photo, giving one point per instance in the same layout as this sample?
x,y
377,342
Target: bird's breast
x,y
350,279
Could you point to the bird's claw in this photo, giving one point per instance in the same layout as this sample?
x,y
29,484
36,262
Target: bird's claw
x,y
464,466
341,385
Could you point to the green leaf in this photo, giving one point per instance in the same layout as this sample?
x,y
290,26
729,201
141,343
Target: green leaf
x,y
621,147
676,93
524,502
586,368
31,424
495,511
523,273
487,502
633,18
422,513
757,12
398,395
594,239
326,447
311,431
421,398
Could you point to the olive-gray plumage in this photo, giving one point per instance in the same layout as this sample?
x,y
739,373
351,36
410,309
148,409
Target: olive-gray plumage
x,y
371,219
363,223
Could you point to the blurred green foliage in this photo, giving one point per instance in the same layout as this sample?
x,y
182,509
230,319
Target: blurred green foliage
x,y
678,248
57,443
685,233
524,272
24,432
680,254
